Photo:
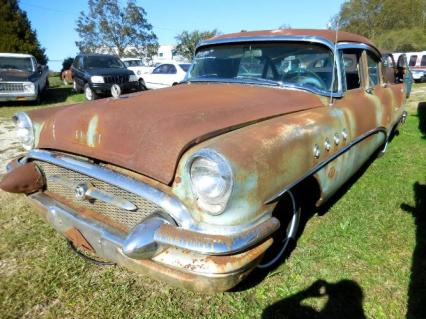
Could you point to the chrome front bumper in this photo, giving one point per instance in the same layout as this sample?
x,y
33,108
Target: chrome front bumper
x,y
202,262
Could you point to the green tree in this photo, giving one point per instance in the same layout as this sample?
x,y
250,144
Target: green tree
x,y
16,35
66,64
109,27
187,41
392,24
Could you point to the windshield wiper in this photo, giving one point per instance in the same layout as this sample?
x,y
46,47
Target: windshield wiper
x,y
259,80
240,79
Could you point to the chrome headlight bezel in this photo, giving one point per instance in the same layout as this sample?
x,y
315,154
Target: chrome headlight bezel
x,y
133,78
24,130
97,79
215,166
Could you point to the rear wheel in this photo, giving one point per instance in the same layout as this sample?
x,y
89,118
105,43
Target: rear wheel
x,y
89,93
288,212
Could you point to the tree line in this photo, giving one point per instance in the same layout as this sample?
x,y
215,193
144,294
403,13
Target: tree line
x,y
108,26
394,25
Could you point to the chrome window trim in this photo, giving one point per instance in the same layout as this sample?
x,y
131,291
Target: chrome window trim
x,y
280,38
361,46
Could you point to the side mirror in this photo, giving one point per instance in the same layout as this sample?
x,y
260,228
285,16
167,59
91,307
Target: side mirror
x,y
39,68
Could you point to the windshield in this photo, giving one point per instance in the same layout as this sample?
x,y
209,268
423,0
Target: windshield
x,y
130,63
185,66
304,65
100,61
20,64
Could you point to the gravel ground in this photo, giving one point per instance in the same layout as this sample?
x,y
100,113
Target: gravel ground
x,y
9,147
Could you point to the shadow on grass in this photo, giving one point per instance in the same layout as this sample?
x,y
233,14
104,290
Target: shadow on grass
x,y
417,289
421,113
344,300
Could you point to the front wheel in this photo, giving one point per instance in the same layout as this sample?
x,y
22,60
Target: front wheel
x,y
89,93
142,85
288,212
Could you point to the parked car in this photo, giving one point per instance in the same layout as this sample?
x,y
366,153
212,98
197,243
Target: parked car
x,y
165,75
102,74
201,183
66,77
137,66
417,64
22,78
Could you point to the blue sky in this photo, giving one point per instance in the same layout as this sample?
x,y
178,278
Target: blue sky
x,y
55,20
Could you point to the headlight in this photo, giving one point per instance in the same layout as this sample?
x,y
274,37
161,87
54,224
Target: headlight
x,y
211,180
97,79
29,87
24,130
133,78
138,72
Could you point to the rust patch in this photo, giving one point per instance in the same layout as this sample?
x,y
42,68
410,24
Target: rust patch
x,y
330,35
332,172
78,239
25,179
160,126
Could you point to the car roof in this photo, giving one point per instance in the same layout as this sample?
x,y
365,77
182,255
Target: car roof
x,y
97,54
329,35
130,59
16,55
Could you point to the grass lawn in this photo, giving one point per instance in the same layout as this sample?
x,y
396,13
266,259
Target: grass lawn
x,y
366,256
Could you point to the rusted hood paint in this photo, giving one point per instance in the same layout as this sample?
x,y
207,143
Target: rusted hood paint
x,y
148,132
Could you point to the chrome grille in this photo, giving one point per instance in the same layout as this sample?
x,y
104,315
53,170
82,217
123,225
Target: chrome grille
x,y
116,79
121,216
11,87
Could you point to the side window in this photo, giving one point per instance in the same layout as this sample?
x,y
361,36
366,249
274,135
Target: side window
x,y
159,69
413,60
171,69
76,63
81,62
423,61
351,62
373,69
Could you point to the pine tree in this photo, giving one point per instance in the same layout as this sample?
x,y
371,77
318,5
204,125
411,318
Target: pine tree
x,y
16,35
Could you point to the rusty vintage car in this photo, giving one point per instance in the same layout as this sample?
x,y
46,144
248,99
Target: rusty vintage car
x,y
196,184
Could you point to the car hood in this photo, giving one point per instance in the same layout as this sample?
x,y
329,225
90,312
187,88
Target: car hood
x,y
108,71
14,75
148,132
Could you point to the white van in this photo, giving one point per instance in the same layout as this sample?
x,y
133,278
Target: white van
x,y
417,64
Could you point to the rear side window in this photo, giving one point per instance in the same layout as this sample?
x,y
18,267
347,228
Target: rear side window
x,y
373,69
423,61
413,60
351,61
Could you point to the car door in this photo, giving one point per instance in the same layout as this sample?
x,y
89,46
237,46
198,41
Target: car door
x,y
358,133
159,78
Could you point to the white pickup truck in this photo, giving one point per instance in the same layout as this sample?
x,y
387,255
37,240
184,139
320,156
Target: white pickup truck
x,y
22,78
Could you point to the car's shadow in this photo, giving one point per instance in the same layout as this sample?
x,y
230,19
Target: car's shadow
x,y
421,113
342,300
417,289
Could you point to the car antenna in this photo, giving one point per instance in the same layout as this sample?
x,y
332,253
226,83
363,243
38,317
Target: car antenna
x,y
333,77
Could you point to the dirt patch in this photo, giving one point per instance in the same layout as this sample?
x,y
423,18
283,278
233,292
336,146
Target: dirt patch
x,y
9,147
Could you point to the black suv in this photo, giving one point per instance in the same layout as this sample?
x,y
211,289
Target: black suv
x,y
102,74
